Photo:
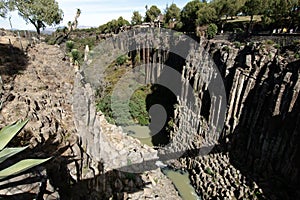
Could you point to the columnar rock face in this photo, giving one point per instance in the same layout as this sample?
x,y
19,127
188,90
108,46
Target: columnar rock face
x,y
265,118
263,114
259,111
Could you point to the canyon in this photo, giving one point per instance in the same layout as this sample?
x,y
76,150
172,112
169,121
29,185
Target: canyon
x,y
235,123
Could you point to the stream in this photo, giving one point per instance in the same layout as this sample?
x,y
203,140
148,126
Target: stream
x,y
179,178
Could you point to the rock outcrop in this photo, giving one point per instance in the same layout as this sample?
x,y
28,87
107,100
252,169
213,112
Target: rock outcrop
x,y
260,123
42,91
255,155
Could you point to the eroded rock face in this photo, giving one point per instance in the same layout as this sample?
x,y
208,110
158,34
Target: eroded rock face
x,y
261,121
260,132
43,92
260,157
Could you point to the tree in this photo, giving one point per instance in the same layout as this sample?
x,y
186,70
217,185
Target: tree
x,y
136,18
39,12
212,30
205,15
152,13
251,8
279,12
228,8
73,25
68,30
122,22
172,14
189,15
3,8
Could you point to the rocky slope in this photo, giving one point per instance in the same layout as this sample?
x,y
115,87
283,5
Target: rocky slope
x,y
42,91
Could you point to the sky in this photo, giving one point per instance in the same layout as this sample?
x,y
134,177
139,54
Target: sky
x,y
94,12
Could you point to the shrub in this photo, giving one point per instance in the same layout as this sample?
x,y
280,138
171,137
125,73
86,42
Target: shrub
x,y
69,46
296,42
137,59
212,30
237,44
269,42
6,135
226,48
277,46
75,54
122,59
238,30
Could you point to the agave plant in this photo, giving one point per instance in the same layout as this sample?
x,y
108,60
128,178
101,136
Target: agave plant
x,y
6,135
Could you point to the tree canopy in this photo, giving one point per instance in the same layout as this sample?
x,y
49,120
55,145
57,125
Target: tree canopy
x,y
189,15
152,13
3,9
113,25
136,18
205,15
172,14
39,12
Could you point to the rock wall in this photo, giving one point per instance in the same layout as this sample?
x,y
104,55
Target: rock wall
x,y
258,142
262,118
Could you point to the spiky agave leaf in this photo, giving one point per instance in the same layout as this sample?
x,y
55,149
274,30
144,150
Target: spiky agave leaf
x,y
7,133
9,152
21,166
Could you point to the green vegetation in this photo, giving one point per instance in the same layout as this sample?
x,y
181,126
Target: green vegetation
x,y
172,16
237,44
152,13
212,30
38,12
113,26
209,171
269,42
69,46
137,104
6,135
136,18
121,60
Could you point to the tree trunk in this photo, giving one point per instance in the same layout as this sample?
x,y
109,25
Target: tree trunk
x,y
38,29
249,31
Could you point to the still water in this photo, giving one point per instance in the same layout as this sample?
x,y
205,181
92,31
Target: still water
x,y
180,179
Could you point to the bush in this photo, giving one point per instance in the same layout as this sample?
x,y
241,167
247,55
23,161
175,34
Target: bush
x,y
277,46
69,46
212,30
137,59
269,42
122,59
226,48
237,44
296,42
75,54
